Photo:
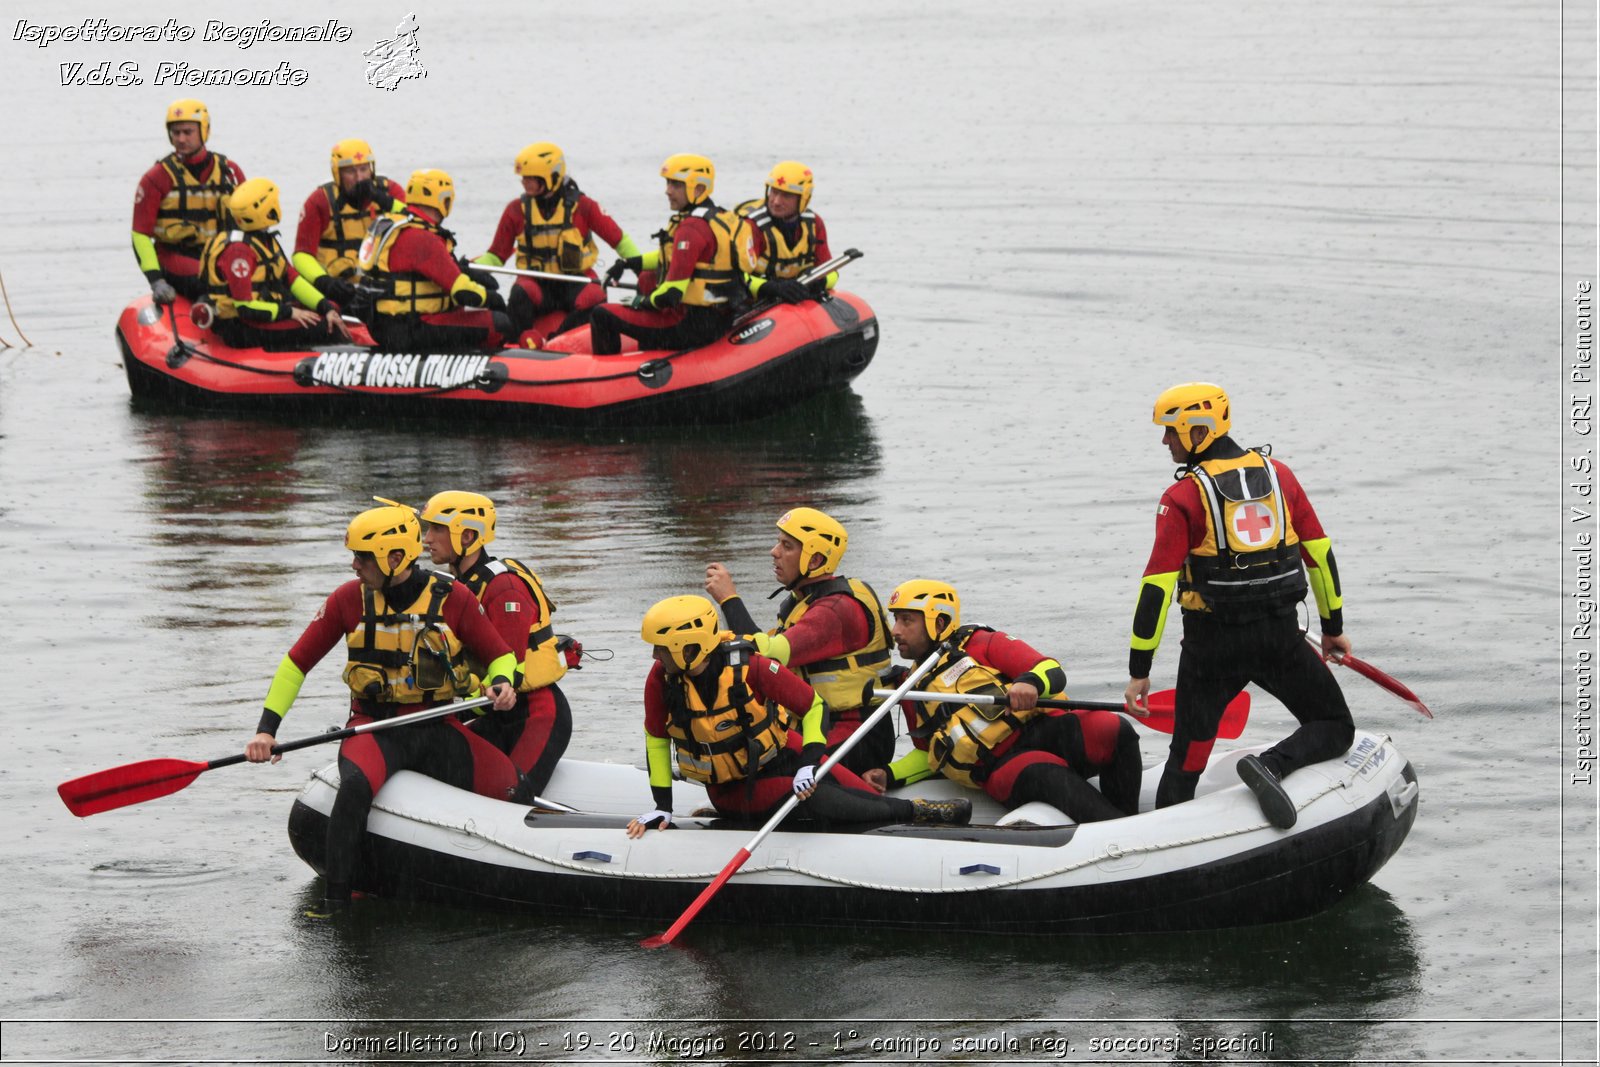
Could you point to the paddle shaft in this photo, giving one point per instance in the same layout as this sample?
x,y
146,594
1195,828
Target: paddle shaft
x,y
134,783
574,279
985,698
788,805
821,270
1373,674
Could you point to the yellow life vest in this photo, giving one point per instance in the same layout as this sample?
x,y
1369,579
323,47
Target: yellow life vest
x,y
552,242
402,292
409,656
542,665
1255,564
962,737
779,258
845,680
729,739
269,282
194,210
339,246
716,281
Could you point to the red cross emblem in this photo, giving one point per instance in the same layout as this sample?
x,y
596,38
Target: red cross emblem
x,y
1254,524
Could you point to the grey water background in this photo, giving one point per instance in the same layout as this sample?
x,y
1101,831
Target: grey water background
x,y
1349,215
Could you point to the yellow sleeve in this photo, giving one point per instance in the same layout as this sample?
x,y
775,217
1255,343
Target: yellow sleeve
x,y
627,248
1324,576
306,293
811,722
307,265
658,757
912,767
489,259
503,667
286,683
144,249
650,260
1150,613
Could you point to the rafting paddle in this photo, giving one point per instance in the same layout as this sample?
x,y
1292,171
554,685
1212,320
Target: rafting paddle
x,y
571,279
1373,674
821,270
1162,704
135,783
788,805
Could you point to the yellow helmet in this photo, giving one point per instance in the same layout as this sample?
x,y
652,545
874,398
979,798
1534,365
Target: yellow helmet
x,y
431,188
792,177
191,110
697,173
937,601
254,205
350,152
816,532
686,626
1194,404
462,511
382,530
543,160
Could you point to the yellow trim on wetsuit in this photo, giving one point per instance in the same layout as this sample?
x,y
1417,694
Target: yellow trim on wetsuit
x,y
658,755
286,683
1165,585
1329,600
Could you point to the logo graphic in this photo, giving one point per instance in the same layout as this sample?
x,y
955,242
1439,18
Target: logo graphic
x,y
752,332
393,61
1254,524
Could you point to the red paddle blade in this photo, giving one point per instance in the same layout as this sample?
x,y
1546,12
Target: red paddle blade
x,y
700,901
132,784
1367,670
1163,706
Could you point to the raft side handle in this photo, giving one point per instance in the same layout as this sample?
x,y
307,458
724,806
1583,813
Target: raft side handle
x,y
1401,793
977,868
592,854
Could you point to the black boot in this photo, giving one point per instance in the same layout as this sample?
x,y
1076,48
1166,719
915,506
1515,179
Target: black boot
x,y
1270,794
957,812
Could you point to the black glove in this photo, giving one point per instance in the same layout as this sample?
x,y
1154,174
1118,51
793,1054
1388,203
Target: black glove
x,y
338,290
614,274
162,291
496,301
817,286
479,275
787,290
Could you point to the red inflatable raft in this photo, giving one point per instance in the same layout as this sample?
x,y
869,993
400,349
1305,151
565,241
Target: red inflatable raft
x,y
773,358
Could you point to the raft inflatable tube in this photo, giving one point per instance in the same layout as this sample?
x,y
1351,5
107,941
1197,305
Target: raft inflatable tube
x,y
774,358
1211,863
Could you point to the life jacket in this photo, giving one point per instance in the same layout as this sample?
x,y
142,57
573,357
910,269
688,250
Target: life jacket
x,y
194,209
407,292
716,281
846,681
962,737
269,282
779,258
728,740
409,656
553,242
542,665
1255,566
339,247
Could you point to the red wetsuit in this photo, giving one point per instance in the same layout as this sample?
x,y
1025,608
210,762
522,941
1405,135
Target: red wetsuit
x,y
152,189
1085,743
676,326
316,214
535,733
422,250
769,680
1220,657
820,252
